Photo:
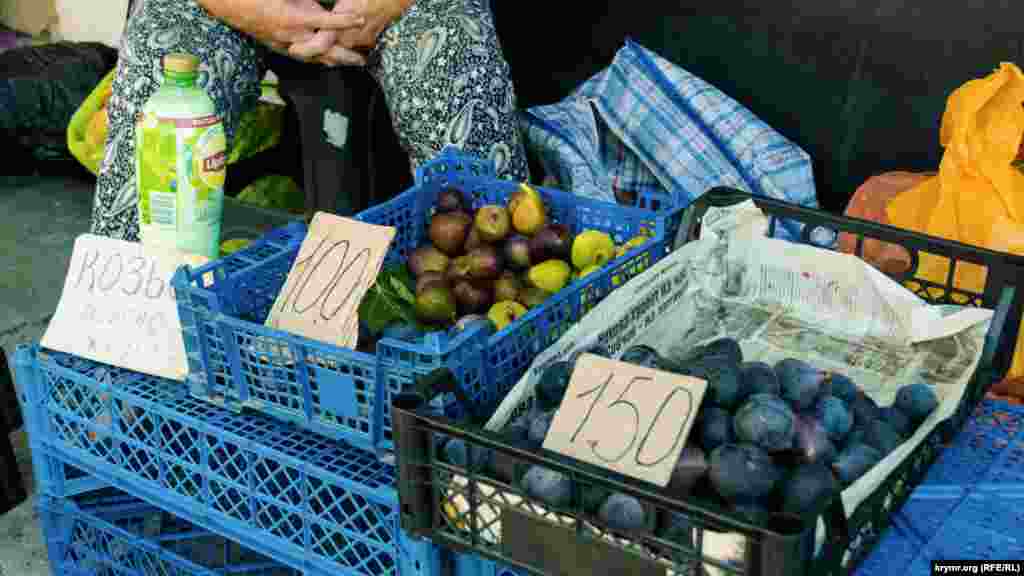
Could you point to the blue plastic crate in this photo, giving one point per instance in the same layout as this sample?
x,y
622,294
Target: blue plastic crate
x,y
970,505
345,394
306,501
117,534
464,564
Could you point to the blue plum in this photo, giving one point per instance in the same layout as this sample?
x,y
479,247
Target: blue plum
x,y
835,417
856,436
690,467
917,401
842,387
811,441
759,378
457,453
642,356
808,488
518,429
864,410
854,461
549,486
801,383
623,513
897,420
539,427
767,422
881,436
742,472
716,428
554,381
723,378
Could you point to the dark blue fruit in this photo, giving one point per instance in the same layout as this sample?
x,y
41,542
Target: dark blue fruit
x,y
801,383
808,488
854,461
554,381
642,356
715,428
759,378
727,348
835,417
623,513
518,429
551,487
723,378
691,466
881,436
540,426
917,401
767,422
897,420
752,511
811,442
457,453
864,410
742,472
856,436
842,387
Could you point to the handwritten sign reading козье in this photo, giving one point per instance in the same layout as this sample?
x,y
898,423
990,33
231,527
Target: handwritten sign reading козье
x,y
118,307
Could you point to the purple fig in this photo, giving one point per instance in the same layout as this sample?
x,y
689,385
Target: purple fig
x,y
429,278
472,297
449,200
448,231
552,242
484,263
427,259
517,252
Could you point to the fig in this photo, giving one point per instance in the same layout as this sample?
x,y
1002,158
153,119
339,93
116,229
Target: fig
x,y
507,287
435,303
492,222
458,269
527,210
517,252
472,297
448,231
473,240
427,259
429,278
484,263
552,242
449,200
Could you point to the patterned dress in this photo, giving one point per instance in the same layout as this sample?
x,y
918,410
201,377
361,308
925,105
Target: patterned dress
x,y
440,66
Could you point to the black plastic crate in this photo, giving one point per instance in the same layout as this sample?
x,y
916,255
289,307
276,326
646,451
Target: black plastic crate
x,y
780,545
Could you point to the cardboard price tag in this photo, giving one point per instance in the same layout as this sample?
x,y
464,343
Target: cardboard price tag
x,y
627,418
118,307
337,263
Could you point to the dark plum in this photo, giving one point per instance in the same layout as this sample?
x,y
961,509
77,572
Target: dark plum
x,y
811,441
539,427
881,436
842,387
690,467
623,513
801,383
458,454
723,378
766,421
553,384
854,461
549,486
726,348
864,410
742,472
917,401
808,488
897,420
716,428
518,429
449,200
759,378
835,417
642,356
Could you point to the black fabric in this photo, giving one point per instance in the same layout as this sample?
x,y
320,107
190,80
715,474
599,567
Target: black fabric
x,y
12,488
41,87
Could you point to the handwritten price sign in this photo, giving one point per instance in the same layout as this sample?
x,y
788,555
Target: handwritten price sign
x,y
118,307
627,418
337,263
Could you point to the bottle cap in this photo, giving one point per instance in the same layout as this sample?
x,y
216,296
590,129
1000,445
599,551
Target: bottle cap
x,y
181,63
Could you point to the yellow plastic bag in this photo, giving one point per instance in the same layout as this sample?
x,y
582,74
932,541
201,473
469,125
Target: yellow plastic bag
x,y
978,195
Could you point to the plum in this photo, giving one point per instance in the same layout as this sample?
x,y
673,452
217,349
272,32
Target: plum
x,y
758,378
801,383
539,427
811,441
623,513
742,472
690,467
881,436
766,421
917,401
549,486
458,454
856,436
864,410
897,420
808,488
725,348
842,387
518,429
722,376
835,417
642,356
552,385
716,428
854,461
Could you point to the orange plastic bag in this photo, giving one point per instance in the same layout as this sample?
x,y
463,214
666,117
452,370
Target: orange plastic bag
x,y
978,195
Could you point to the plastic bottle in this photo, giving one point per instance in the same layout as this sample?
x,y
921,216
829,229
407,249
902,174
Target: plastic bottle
x,y
180,158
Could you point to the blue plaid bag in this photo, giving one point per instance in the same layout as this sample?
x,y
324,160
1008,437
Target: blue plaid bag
x,y
645,124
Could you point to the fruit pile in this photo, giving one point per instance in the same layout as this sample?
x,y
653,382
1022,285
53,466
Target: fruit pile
x,y
784,438
500,261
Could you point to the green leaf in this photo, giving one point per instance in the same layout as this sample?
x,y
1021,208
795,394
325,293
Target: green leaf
x,y
389,301
402,290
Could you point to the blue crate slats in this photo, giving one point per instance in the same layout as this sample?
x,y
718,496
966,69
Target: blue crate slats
x,y
345,394
303,499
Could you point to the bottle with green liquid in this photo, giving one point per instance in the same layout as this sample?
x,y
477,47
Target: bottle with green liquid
x,y
180,157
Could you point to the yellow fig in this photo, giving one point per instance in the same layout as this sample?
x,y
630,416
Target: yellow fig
x,y
504,313
550,276
592,248
527,210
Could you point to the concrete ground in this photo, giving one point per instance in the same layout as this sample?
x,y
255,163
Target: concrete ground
x,y
39,220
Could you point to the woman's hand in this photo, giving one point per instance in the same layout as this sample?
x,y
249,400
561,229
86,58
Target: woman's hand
x,y
280,24
377,15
